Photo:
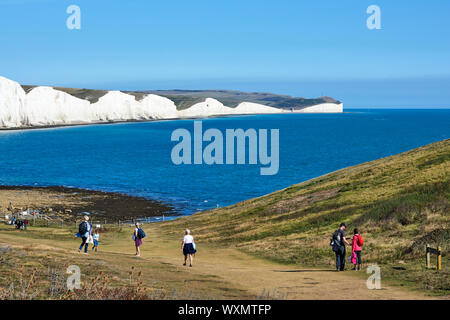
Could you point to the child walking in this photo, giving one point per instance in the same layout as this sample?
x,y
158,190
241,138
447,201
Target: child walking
x,y
96,239
357,242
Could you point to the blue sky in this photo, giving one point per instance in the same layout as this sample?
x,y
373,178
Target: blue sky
x,y
299,47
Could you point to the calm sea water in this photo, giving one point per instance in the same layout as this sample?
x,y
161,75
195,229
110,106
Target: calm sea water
x,y
134,158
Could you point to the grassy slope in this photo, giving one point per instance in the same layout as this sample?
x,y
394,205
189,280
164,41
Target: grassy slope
x,y
399,203
37,259
41,251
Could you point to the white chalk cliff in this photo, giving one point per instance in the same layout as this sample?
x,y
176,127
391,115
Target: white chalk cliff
x,y
45,106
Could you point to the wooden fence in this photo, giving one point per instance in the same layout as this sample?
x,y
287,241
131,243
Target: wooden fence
x,y
46,220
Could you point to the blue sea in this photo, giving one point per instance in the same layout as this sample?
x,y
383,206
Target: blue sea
x,y
135,158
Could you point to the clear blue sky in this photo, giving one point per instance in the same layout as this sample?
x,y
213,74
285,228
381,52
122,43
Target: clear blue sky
x,y
299,47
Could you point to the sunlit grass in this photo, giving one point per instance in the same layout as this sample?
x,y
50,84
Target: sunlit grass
x,y
399,203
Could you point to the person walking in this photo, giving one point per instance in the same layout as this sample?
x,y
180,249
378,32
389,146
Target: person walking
x,y
137,237
96,239
188,247
338,243
10,207
84,230
357,242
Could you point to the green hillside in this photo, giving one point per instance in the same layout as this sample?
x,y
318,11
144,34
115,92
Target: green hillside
x,y
399,203
279,241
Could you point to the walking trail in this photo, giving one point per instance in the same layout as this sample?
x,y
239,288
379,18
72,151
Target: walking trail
x,y
217,272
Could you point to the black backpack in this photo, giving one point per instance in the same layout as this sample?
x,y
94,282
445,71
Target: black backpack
x,y
82,228
336,240
141,233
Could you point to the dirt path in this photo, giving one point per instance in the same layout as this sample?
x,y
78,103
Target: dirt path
x,y
262,276
244,276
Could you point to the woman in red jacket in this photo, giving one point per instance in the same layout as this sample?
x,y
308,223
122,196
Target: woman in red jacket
x,y
357,242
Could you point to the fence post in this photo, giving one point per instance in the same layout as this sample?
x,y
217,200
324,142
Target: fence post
x,y
439,258
428,256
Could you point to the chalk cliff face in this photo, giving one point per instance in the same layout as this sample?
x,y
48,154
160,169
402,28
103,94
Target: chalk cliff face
x,y
323,108
117,106
210,107
254,108
157,107
12,103
46,106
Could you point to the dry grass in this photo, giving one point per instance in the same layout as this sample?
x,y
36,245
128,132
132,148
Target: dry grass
x,y
28,287
399,203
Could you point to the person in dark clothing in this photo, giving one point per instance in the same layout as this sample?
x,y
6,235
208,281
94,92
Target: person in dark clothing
x,y
339,246
84,229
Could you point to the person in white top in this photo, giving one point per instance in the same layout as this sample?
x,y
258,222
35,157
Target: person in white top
x,y
96,238
188,247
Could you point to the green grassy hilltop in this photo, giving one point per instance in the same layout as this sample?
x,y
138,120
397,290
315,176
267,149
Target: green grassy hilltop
x,y
184,99
399,203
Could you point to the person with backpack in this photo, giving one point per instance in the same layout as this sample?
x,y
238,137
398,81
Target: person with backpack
x,y
138,235
338,242
84,230
357,242
188,247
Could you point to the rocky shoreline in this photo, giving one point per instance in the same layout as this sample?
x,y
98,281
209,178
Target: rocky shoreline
x,y
70,203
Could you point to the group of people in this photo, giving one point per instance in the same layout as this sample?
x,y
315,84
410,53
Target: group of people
x,y
88,235
19,224
338,243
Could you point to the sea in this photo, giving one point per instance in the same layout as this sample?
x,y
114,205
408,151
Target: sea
x,y
135,158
